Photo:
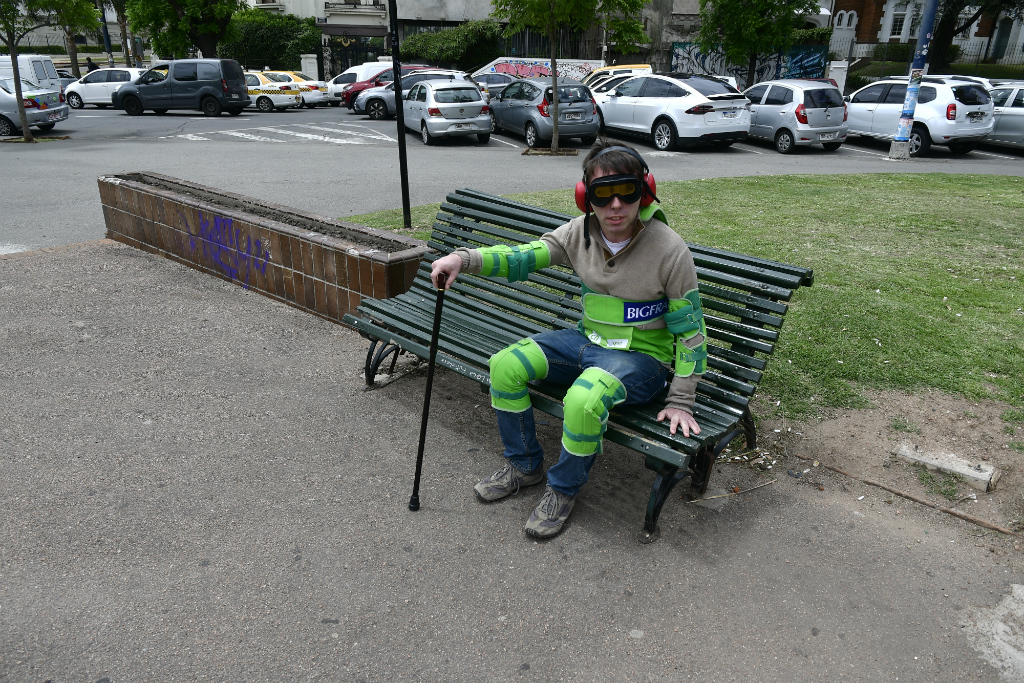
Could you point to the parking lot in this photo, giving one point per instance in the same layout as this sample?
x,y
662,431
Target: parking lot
x,y
339,164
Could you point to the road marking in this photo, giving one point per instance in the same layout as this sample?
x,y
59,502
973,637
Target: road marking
x,y
661,154
997,156
864,151
347,132
247,136
506,143
190,136
12,248
359,125
96,116
308,136
744,149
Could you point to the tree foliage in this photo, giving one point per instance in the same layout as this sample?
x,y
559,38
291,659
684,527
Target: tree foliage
x,y
175,26
744,29
949,25
463,47
262,39
74,17
620,18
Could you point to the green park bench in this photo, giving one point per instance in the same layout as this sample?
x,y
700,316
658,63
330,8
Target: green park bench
x,y
744,304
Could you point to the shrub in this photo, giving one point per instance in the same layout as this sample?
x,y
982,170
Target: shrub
x,y
272,40
894,52
855,83
465,46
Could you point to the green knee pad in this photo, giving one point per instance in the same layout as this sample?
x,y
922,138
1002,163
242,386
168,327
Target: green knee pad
x,y
511,369
587,404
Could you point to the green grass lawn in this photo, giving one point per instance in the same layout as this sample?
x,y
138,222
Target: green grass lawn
x,y
918,278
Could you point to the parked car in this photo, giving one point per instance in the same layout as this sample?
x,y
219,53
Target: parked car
x,y
36,69
524,108
949,112
492,82
98,86
379,79
447,108
797,113
209,85
1008,112
270,95
606,86
44,106
592,78
379,103
312,91
66,78
678,110
336,85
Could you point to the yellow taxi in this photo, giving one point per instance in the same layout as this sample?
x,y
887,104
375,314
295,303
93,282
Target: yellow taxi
x,y
269,94
311,91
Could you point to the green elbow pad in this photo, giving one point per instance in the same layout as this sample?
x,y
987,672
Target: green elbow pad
x,y
690,361
685,320
515,262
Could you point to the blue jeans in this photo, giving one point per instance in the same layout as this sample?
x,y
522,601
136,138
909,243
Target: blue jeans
x,y
569,353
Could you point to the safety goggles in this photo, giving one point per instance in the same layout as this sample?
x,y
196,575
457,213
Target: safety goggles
x,y
627,188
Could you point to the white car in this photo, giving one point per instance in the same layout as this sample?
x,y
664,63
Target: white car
x,y
447,108
950,112
97,87
1008,100
312,92
677,110
336,86
269,95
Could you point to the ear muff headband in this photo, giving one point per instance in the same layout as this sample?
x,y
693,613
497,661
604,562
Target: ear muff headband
x,y
647,198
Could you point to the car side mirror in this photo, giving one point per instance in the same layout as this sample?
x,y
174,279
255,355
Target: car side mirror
x,y
846,99
617,93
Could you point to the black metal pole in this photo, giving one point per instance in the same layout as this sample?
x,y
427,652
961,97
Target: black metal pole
x,y
414,501
396,65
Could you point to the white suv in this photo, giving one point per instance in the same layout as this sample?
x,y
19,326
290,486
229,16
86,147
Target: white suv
x,y
950,112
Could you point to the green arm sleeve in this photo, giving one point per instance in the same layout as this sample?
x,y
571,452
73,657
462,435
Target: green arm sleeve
x,y
685,320
514,262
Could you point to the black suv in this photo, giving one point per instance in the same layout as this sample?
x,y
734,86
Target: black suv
x,y
210,85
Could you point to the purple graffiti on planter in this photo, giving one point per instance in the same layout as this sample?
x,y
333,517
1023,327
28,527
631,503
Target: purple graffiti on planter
x,y
224,246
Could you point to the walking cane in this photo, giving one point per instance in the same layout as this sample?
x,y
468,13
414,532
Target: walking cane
x,y
414,500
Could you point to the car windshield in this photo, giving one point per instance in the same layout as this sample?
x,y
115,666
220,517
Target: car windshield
x,y
304,76
971,94
278,78
707,86
571,93
822,99
456,95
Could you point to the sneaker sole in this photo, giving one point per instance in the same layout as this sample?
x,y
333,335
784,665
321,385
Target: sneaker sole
x,y
541,537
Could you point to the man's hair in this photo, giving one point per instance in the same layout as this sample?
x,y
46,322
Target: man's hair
x,y
616,161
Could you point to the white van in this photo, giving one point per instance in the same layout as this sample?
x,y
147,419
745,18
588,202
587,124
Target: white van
x,y
353,74
36,68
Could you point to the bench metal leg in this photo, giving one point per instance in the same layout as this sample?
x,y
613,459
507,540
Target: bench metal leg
x,y
707,457
665,479
379,350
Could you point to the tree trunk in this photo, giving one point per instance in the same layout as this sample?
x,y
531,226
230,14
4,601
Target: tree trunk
x,y
751,70
206,43
122,26
940,50
17,92
552,37
69,38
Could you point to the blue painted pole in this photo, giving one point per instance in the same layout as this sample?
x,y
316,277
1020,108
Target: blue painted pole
x,y
106,36
900,148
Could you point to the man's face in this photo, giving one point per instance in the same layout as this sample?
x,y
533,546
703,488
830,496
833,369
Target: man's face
x,y
616,217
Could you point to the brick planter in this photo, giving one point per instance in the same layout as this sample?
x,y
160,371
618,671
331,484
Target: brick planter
x,y
321,265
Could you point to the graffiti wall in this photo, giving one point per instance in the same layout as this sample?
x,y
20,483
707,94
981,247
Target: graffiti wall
x,y
235,254
529,68
802,61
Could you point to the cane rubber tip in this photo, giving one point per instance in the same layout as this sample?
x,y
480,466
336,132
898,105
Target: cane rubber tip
x,y
414,503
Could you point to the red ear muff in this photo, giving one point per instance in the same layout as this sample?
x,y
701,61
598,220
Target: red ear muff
x,y
649,193
581,196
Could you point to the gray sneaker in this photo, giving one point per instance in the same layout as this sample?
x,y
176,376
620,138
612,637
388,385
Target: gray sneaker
x,y
549,517
506,482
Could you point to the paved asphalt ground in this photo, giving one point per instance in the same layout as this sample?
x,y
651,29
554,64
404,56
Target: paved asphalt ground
x,y
196,487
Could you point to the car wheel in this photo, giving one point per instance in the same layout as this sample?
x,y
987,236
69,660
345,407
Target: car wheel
x,y
376,110
831,146
210,107
484,138
161,112
588,139
961,147
132,106
920,141
46,127
494,123
335,104
664,134
265,105
75,101
308,105
600,118
784,142
428,139
101,106
531,135
7,128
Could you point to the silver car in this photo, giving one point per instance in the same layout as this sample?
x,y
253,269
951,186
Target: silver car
x,y
797,113
524,108
44,108
379,103
444,109
1008,99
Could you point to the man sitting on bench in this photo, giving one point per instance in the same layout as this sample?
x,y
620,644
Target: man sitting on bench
x,y
641,316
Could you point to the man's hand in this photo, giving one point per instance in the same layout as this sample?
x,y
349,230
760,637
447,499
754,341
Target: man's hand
x,y
679,418
446,268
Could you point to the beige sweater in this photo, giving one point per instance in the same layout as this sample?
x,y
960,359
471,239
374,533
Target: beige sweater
x,y
656,263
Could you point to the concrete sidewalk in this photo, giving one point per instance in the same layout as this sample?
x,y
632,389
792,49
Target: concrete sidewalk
x,y
195,486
